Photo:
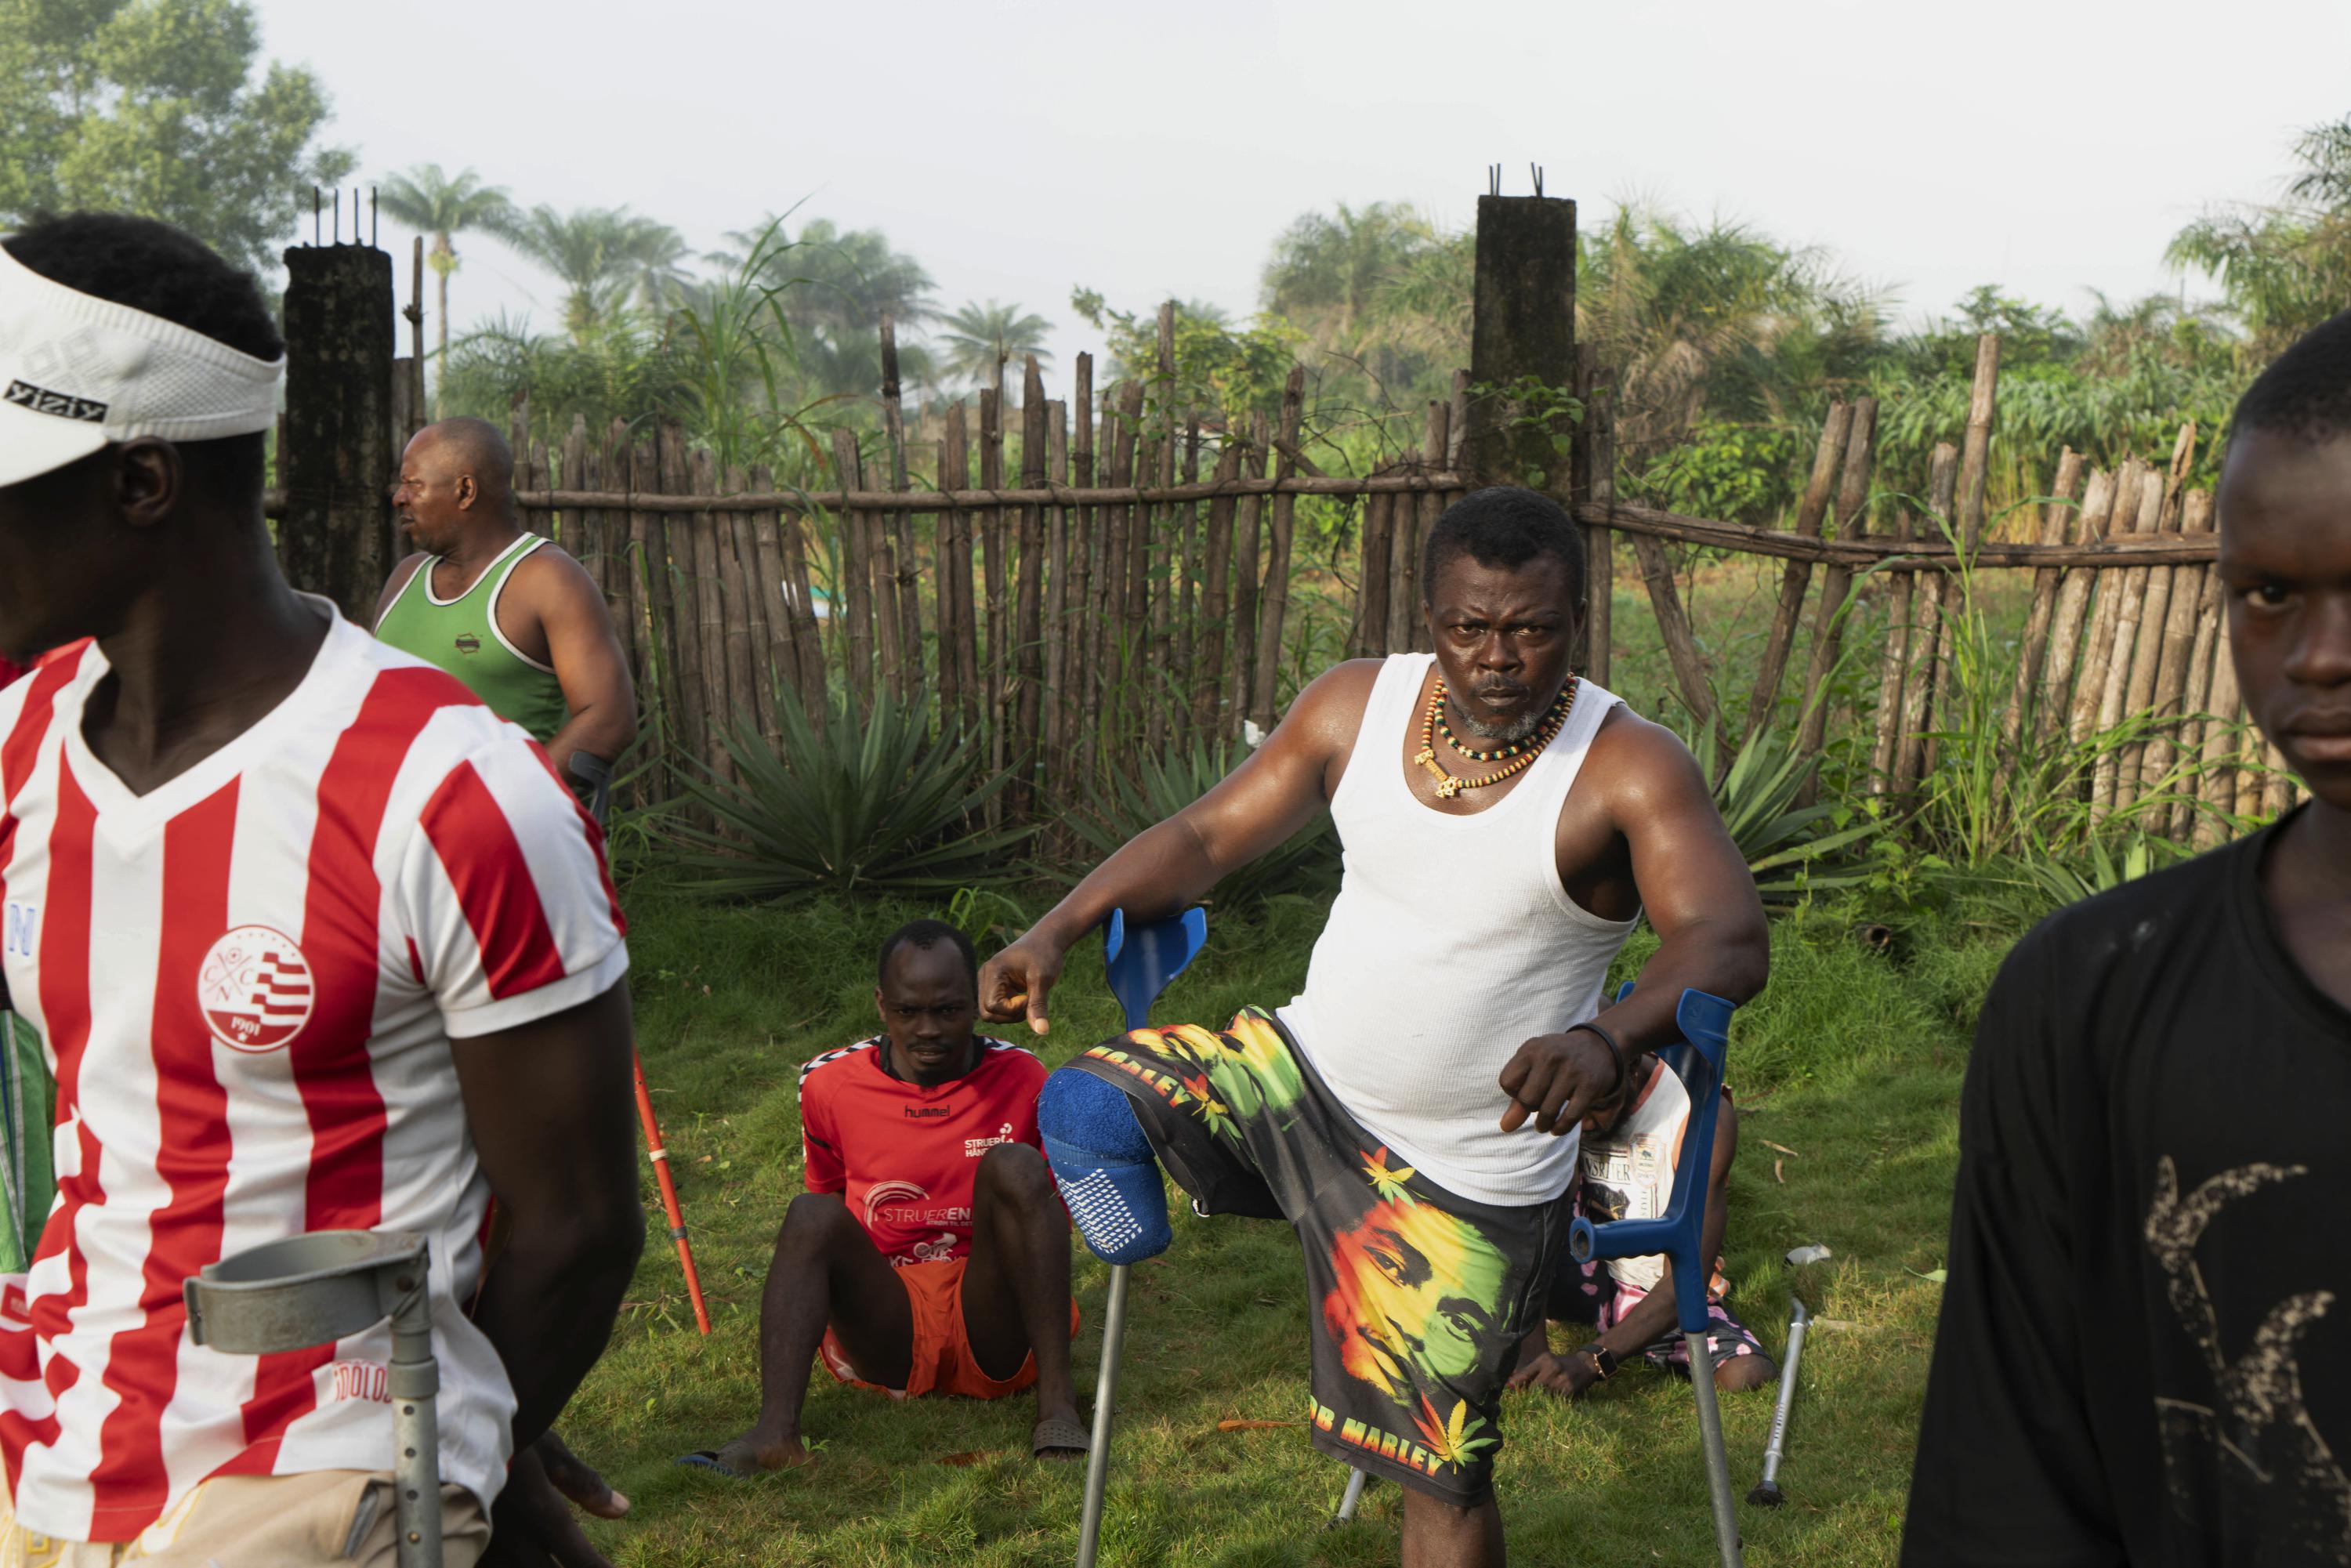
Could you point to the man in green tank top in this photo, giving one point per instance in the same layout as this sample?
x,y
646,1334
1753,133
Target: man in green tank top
x,y
524,625
506,612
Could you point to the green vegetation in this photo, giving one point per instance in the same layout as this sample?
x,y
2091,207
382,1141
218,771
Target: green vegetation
x,y
153,107
1847,1071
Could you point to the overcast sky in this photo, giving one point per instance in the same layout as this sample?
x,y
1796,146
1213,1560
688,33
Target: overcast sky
x,y
2048,146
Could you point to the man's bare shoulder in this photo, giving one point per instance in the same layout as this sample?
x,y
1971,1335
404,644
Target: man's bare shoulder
x,y
1634,755
1323,719
1338,693
551,577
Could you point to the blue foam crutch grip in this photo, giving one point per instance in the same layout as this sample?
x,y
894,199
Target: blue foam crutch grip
x,y
1696,1059
1103,1166
1143,958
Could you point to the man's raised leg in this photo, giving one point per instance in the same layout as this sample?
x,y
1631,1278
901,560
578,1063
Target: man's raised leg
x,y
1441,1534
826,1269
1016,1287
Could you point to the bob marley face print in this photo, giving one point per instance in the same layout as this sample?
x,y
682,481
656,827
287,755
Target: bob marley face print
x,y
1417,1294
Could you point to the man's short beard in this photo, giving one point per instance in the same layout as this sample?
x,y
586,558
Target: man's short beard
x,y
1505,732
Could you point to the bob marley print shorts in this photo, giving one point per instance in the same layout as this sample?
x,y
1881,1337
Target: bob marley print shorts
x,y
1417,1298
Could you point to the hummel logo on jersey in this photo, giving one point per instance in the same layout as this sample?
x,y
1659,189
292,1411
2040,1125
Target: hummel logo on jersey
x,y
21,919
929,1110
63,405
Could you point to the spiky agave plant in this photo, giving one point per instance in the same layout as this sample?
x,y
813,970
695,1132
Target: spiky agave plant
x,y
874,803
1789,847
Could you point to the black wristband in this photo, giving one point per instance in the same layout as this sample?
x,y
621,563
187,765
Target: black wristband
x,y
1616,1053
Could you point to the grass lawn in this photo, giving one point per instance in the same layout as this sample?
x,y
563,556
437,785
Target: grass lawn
x,y
1850,1063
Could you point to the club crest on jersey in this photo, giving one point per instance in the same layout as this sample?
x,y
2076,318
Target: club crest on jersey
x,y
255,989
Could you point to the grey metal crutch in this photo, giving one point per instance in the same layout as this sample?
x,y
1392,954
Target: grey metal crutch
x,y
1696,1059
313,1289
1140,961
1766,1492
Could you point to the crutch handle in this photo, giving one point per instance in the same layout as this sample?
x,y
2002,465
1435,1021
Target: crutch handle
x,y
1696,1059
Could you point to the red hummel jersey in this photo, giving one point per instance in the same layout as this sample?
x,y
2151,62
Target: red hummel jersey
x,y
246,980
904,1157
8,672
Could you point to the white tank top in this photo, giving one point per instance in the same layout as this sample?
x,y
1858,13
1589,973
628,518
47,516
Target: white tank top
x,y
1450,944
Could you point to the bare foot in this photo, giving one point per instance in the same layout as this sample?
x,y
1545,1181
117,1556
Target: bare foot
x,y
753,1452
577,1479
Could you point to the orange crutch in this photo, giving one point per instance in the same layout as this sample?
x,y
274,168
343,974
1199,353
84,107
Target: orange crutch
x,y
660,1157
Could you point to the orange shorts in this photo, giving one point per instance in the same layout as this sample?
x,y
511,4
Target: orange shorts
x,y
942,1360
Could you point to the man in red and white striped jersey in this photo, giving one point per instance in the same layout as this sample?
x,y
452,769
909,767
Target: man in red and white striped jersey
x,y
313,940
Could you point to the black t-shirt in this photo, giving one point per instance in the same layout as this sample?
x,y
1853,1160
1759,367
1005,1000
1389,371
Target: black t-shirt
x,y
2145,1353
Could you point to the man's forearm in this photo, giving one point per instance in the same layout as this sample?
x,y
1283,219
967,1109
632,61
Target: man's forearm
x,y
598,731
1732,964
550,1304
1157,874
1651,1320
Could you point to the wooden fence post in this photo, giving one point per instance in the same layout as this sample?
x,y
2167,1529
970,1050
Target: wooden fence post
x,y
2067,622
1276,604
1248,546
1924,682
1522,337
337,458
2035,642
907,575
1828,631
1796,576
1029,632
1208,673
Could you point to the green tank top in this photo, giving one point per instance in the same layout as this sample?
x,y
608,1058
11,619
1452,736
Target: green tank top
x,y
461,635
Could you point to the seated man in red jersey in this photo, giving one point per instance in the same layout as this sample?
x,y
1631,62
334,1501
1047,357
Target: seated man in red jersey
x,y
930,1253
311,940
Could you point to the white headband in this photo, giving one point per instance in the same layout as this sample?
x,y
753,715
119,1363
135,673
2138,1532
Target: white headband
x,y
77,372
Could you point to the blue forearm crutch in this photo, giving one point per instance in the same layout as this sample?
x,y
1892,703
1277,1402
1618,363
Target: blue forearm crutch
x,y
1696,1059
1141,960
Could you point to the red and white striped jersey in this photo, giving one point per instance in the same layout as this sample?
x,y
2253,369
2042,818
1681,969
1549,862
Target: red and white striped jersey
x,y
247,979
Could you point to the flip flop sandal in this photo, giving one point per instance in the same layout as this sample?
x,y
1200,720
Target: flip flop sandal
x,y
736,1460
1055,1434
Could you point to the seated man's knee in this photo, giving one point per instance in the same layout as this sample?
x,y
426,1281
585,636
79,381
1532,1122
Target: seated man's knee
x,y
814,1218
1742,1372
1016,1171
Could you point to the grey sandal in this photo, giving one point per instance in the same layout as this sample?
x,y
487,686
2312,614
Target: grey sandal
x,y
1055,1434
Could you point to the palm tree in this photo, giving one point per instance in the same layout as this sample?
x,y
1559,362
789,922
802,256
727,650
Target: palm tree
x,y
834,286
1328,270
979,337
2283,267
1719,321
601,256
441,206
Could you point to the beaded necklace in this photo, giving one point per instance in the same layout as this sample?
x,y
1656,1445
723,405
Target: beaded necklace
x,y
1521,755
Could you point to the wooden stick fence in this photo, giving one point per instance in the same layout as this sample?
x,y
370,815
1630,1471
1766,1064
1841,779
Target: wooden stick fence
x,y
1097,596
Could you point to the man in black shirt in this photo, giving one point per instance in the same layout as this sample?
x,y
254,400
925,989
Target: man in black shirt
x,y
2144,1355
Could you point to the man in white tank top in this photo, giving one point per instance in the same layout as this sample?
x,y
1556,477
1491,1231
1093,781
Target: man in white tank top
x,y
1412,1112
